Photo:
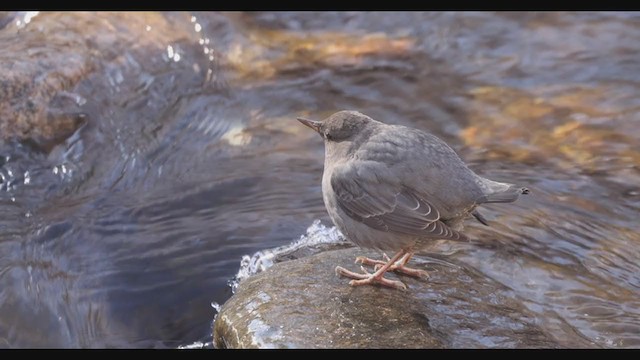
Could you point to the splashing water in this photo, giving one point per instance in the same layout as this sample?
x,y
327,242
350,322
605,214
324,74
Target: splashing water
x,y
316,234
216,307
196,345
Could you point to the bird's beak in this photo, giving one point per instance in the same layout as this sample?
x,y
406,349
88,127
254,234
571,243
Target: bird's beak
x,y
315,125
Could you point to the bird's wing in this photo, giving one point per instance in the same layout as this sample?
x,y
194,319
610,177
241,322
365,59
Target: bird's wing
x,y
372,194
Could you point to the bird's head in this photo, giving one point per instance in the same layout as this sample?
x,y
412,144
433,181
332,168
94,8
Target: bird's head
x,y
341,126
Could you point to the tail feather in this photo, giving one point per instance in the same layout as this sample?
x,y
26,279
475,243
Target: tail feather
x,y
511,194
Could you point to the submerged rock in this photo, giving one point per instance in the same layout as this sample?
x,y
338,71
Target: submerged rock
x,y
303,304
46,58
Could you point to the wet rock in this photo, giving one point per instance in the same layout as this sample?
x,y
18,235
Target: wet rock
x,y
568,127
44,61
263,53
302,304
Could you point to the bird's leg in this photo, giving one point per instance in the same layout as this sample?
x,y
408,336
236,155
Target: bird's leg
x,y
366,261
366,278
400,267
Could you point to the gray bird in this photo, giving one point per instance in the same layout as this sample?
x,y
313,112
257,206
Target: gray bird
x,y
394,188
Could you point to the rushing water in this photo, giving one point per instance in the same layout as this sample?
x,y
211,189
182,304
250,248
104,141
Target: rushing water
x,y
190,158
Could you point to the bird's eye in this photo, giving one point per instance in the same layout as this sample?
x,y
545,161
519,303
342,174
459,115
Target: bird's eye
x,y
328,136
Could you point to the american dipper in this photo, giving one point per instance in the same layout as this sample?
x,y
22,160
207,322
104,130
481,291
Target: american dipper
x,y
391,187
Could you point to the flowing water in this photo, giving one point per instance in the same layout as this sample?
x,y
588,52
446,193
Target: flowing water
x,y
123,234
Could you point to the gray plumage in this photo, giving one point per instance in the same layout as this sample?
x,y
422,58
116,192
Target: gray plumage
x,y
391,187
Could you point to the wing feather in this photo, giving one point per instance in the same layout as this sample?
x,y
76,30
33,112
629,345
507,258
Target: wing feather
x,y
384,203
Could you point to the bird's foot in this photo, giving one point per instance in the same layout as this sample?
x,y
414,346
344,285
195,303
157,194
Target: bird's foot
x,y
398,266
366,261
366,278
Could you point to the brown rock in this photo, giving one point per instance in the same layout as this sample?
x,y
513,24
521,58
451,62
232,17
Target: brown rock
x,y
43,62
303,304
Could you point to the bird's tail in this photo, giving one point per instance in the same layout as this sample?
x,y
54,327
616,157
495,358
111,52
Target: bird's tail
x,y
496,192
510,194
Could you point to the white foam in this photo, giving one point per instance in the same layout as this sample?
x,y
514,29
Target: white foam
x,y
196,345
216,306
262,260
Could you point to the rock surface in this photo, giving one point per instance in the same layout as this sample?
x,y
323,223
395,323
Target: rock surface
x,y
303,304
44,63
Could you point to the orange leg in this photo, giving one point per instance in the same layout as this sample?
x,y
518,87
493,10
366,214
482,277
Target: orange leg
x,y
399,266
366,278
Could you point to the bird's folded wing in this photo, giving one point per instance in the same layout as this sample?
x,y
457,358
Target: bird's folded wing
x,y
372,194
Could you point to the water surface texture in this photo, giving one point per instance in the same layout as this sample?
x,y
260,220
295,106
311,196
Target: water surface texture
x,y
179,153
